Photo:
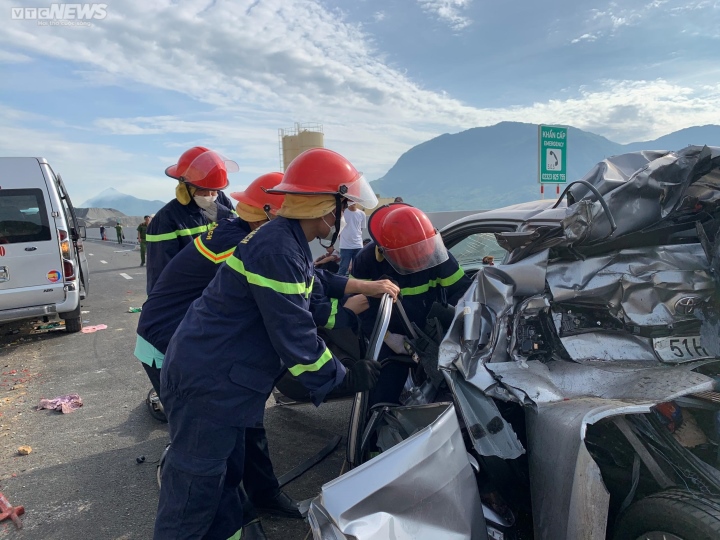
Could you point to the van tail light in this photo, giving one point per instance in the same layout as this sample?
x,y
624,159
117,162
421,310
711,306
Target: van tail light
x,y
69,270
66,252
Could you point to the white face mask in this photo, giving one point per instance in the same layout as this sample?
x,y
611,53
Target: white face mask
x,y
205,201
330,235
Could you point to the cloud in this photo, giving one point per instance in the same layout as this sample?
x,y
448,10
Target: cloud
x,y
585,37
617,16
448,11
7,57
251,67
379,16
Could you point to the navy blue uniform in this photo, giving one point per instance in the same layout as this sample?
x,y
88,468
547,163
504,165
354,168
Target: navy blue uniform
x,y
444,283
327,311
174,227
184,279
220,366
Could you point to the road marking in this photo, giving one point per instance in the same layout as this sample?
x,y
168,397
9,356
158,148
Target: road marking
x,y
91,254
104,262
125,276
124,251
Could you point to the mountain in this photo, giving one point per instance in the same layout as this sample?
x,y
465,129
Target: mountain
x,y
490,167
127,204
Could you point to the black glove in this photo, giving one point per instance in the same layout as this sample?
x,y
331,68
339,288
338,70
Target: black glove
x,y
362,376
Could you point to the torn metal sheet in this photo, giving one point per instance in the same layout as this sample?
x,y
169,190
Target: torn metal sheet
x,y
635,382
640,286
490,433
666,185
421,489
478,333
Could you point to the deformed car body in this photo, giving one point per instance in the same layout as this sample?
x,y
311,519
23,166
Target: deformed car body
x,y
581,375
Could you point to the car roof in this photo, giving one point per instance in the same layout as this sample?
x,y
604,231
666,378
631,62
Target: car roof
x,y
534,210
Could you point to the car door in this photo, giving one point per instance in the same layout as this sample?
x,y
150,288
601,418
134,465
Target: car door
x,y
77,233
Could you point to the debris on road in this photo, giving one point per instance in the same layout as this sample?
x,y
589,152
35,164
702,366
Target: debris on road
x,y
66,404
24,450
134,310
91,329
12,512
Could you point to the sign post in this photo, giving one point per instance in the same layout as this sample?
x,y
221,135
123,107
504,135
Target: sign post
x,y
552,156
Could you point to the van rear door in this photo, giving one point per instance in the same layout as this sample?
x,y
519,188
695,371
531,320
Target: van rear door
x,y
30,263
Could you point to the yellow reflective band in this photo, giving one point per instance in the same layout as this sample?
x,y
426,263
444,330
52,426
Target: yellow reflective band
x,y
236,536
299,369
217,258
182,232
443,282
277,286
333,311
452,279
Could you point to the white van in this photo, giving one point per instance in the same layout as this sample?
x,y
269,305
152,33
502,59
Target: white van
x,y
43,268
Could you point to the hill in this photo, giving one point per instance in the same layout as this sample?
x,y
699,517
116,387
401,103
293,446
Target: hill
x,y
127,204
495,166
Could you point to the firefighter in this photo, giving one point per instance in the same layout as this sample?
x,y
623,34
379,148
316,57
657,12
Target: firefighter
x,y
182,282
226,353
198,204
406,248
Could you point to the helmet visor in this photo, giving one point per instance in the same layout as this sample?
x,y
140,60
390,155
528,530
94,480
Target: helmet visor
x,y
209,171
359,192
425,254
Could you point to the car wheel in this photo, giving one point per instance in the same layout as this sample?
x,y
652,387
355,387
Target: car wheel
x,y
73,325
671,515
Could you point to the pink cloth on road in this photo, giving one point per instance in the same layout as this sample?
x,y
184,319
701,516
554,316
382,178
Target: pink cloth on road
x,y
67,403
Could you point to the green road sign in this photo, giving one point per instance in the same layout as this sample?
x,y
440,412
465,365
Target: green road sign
x,y
552,145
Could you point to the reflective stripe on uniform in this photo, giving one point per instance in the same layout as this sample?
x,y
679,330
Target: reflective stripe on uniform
x,y
236,536
217,258
282,287
443,282
333,311
181,232
299,369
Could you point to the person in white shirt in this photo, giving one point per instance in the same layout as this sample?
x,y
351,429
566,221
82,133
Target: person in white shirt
x,y
351,236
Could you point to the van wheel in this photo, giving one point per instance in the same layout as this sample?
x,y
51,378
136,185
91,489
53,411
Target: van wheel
x,y
671,515
73,325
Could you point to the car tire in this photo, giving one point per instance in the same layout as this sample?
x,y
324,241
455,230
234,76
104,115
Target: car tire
x,y
73,325
683,514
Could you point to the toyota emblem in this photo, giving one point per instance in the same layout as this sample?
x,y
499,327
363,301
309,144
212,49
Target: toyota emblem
x,y
686,305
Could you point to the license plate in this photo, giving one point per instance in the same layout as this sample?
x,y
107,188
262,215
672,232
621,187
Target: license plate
x,y
680,349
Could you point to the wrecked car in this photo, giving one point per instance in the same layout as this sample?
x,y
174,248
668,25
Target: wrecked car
x,y
573,392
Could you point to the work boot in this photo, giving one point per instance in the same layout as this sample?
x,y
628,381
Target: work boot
x,y
253,531
155,406
280,505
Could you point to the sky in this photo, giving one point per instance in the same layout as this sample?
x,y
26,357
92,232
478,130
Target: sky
x,y
113,101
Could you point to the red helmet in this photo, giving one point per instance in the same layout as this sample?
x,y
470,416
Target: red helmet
x,y
257,196
320,171
202,168
407,238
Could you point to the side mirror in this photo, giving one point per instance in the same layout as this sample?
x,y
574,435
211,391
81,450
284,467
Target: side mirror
x,y
82,231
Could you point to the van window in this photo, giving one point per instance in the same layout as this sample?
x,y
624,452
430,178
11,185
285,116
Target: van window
x,y
23,216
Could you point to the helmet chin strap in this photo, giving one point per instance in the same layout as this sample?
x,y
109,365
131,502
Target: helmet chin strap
x,y
338,220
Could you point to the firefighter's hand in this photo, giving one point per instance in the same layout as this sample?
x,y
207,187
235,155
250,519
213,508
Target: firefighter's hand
x,y
377,288
357,304
362,376
396,342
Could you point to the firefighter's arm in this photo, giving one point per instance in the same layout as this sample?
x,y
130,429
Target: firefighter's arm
x,y
283,296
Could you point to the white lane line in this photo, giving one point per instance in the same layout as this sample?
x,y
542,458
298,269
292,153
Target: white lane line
x,y
125,276
104,262
91,254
